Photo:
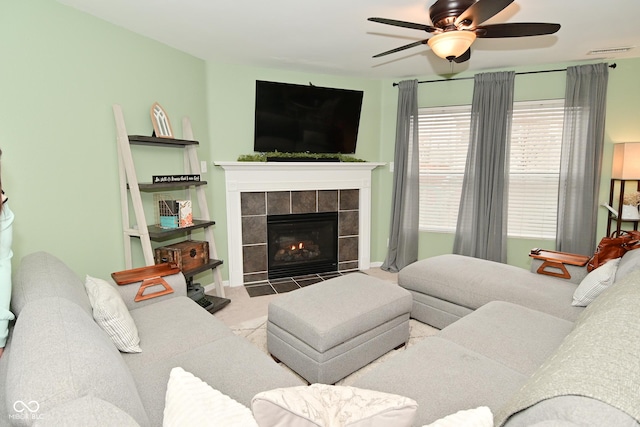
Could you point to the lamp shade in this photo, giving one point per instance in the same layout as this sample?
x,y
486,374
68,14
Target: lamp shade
x,y
626,161
451,44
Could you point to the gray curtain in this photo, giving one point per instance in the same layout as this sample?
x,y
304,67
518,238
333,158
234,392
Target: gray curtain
x,y
581,158
403,235
481,231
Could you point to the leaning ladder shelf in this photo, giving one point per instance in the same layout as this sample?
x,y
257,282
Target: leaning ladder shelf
x,y
130,189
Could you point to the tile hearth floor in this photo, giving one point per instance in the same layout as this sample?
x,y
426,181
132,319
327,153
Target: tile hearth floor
x,y
287,284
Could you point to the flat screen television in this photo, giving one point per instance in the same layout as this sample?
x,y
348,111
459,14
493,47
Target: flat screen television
x,y
294,118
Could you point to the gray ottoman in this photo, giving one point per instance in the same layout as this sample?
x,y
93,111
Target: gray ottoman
x,y
331,329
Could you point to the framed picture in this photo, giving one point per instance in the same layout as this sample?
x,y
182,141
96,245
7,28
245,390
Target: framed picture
x,y
160,120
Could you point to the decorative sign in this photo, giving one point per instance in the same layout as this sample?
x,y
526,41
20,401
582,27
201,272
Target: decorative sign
x,y
160,120
164,179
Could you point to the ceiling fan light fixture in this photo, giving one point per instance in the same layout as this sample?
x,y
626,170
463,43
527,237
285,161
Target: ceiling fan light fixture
x,y
451,44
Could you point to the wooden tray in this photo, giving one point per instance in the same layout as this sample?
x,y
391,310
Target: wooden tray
x,y
149,276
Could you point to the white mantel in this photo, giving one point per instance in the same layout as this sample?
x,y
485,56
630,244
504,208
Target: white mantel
x,y
294,176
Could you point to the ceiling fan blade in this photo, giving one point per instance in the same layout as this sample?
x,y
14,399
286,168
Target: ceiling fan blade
x,y
464,57
398,49
517,29
403,24
480,11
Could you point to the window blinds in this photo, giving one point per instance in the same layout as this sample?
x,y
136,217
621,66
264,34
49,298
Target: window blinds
x,y
536,138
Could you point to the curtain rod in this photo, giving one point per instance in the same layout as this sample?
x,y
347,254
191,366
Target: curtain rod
x,y
614,65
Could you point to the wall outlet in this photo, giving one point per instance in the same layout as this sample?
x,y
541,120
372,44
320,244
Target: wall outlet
x,y
391,166
203,166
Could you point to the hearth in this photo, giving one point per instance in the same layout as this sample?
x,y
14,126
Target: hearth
x,y
300,244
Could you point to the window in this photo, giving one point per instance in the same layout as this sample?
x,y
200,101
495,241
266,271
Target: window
x,y
536,139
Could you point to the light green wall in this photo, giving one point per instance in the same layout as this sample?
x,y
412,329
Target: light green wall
x,y
62,70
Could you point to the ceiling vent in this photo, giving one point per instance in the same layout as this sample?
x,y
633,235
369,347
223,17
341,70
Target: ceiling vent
x,y
610,50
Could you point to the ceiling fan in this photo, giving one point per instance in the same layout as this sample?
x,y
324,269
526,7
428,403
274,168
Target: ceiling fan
x,y
457,23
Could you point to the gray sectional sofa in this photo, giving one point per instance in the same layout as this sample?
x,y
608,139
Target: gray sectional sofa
x,y
60,361
530,357
512,341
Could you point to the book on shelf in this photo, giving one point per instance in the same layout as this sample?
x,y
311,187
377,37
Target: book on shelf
x,y
164,179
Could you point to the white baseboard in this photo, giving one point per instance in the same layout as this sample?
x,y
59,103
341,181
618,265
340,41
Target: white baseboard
x,y
211,287
376,264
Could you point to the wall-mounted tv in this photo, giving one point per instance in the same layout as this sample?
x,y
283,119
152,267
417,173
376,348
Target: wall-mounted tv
x,y
293,118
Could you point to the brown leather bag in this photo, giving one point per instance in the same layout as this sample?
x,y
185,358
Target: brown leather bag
x,y
614,247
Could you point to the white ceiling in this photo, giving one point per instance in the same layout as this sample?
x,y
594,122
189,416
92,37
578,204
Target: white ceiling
x,y
334,36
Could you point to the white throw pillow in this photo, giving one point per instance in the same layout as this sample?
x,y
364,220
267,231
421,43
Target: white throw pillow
x,y
595,282
478,417
110,312
192,402
335,406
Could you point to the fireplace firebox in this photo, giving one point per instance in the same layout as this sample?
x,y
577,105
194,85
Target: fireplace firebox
x,y
301,244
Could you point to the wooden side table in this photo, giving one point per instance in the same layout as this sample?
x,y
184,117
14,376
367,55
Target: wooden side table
x,y
553,260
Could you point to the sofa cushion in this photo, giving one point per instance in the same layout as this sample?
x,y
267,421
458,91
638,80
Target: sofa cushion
x,y
595,282
59,354
628,263
112,315
179,333
327,405
515,336
192,402
598,359
472,282
42,275
87,411
451,377
172,327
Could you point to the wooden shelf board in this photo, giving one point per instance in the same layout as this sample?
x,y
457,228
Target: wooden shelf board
x,y
158,233
160,142
147,186
213,263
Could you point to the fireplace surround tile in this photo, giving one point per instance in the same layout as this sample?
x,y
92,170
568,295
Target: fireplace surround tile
x,y
254,229
254,258
256,277
278,202
347,249
327,200
303,201
348,223
348,266
253,203
349,199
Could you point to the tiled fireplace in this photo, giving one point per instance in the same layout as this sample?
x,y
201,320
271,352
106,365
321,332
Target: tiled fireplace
x,y
258,209
257,191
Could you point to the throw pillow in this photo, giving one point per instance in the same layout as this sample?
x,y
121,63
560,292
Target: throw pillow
x,y
335,406
189,401
110,312
594,283
478,417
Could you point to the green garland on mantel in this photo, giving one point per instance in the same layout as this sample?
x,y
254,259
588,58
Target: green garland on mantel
x,y
262,157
